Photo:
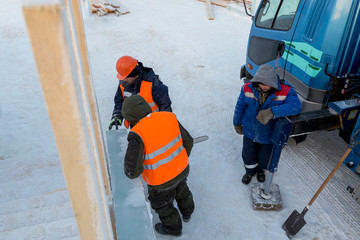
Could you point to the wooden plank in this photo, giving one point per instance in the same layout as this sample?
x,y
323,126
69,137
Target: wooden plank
x,y
113,3
69,113
214,3
107,7
74,8
209,10
96,7
119,8
103,7
81,39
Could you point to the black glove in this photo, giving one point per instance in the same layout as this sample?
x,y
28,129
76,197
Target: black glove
x,y
239,130
116,120
265,116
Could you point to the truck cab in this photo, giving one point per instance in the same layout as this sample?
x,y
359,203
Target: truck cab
x,y
302,39
315,47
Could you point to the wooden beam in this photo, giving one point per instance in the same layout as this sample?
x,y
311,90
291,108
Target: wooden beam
x,y
73,9
214,3
209,10
62,80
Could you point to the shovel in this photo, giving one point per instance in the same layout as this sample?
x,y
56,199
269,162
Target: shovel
x,y
296,220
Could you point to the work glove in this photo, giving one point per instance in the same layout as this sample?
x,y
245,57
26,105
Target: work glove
x,y
239,130
265,116
116,120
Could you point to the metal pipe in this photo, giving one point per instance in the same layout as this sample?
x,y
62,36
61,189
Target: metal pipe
x,y
268,182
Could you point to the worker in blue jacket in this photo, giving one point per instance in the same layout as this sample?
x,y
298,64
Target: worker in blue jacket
x,y
134,78
260,101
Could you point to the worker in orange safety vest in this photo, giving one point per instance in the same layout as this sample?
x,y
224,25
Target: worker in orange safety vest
x,y
158,149
134,78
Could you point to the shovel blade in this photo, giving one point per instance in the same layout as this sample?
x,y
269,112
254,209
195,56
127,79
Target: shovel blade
x,y
293,224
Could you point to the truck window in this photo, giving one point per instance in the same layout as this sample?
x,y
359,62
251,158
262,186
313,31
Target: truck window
x,y
277,14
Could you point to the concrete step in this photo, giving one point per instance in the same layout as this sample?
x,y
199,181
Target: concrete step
x,y
35,216
59,229
23,204
31,187
34,201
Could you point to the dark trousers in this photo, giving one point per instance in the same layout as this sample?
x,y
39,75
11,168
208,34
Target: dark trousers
x,y
162,201
255,156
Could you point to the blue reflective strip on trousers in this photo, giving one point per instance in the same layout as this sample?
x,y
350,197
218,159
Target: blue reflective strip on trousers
x,y
165,160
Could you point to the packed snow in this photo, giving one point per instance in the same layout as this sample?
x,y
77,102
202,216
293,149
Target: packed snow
x,y
199,60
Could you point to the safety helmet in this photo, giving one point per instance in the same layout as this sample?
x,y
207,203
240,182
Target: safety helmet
x,y
124,66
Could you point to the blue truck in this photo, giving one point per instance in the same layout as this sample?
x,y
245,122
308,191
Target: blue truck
x,y
314,46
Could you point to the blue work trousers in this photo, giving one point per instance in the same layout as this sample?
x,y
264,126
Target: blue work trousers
x,y
256,156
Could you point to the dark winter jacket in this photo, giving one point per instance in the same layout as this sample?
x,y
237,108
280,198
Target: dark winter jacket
x,y
133,111
159,90
282,100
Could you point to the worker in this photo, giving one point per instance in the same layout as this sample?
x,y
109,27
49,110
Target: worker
x,y
137,79
260,101
158,149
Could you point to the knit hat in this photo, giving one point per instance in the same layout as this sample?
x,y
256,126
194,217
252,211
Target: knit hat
x,y
135,108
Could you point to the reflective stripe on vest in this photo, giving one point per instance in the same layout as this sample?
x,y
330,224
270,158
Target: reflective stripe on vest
x,y
282,94
248,91
250,95
279,94
163,149
145,92
164,154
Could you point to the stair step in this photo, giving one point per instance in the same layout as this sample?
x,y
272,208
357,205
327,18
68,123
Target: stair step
x,y
59,229
14,169
31,187
35,216
48,199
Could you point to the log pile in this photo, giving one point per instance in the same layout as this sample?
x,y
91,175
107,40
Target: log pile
x,y
103,7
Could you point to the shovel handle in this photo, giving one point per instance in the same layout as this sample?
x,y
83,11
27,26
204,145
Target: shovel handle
x,y
330,176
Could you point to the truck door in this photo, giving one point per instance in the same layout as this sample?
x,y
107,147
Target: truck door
x,y
272,32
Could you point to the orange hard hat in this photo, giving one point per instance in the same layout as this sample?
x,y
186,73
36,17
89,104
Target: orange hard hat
x,y
124,66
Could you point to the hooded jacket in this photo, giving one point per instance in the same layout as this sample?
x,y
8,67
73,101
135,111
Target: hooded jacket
x,y
159,90
282,100
133,110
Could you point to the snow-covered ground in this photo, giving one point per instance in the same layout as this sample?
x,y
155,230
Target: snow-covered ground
x,y
199,60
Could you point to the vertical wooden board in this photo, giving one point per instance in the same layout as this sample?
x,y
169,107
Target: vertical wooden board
x,y
209,10
57,74
81,39
79,36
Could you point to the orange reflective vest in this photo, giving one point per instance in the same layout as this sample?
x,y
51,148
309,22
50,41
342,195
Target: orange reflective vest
x,y
145,92
164,154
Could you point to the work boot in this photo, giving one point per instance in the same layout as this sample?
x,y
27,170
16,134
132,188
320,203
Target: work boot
x,y
246,179
186,218
162,229
260,177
